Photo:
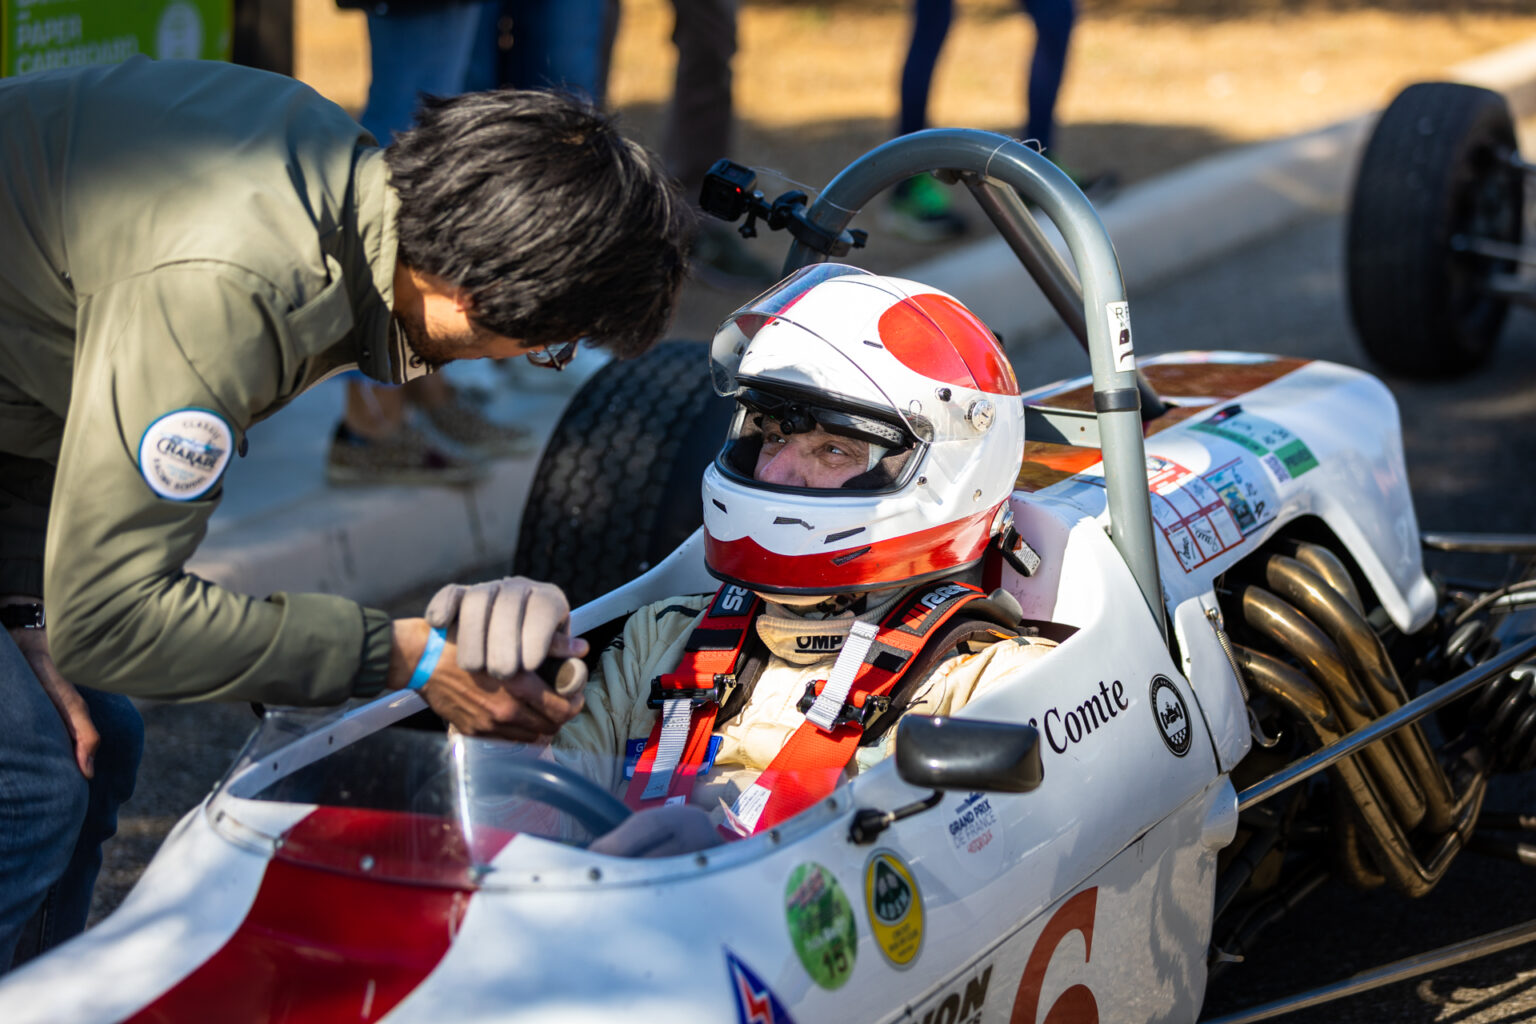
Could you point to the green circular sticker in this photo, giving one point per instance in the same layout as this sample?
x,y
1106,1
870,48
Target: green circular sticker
x,y
821,925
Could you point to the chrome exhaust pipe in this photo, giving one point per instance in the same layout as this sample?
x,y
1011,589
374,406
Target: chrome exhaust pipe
x,y
1390,852
1300,637
1368,662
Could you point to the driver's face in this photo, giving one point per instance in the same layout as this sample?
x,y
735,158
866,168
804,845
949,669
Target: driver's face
x,y
816,459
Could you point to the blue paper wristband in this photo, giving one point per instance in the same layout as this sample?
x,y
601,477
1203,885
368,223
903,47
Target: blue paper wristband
x,y
427,664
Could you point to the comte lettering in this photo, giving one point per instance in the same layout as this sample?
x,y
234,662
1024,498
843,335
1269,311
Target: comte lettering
x,y
1063,728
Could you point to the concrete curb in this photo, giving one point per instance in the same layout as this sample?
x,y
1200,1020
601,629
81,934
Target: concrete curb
x,y
1214,206
372,545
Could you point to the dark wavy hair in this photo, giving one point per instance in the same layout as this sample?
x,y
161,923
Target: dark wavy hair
x,y
556,225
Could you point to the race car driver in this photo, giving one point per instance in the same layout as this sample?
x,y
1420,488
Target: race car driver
x,y
187,247
877,436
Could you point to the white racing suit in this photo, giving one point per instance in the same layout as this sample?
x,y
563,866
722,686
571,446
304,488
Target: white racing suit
x,y
606,738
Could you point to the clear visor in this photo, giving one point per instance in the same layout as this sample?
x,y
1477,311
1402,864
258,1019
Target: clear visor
x,y
787,441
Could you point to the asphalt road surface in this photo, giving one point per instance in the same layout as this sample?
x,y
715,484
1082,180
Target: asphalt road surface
x,y
1468,445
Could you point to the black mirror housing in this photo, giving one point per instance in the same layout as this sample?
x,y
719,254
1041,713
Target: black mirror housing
x,y
968,754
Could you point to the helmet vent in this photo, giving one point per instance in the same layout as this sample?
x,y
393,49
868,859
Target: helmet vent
x,y
786,521
850,556
832,538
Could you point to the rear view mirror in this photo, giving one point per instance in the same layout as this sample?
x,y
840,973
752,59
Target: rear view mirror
x,y
968,754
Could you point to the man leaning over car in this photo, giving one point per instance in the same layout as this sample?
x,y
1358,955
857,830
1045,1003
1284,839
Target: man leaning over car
x,y
187,247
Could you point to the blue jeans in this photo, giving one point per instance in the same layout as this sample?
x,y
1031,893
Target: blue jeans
x,y
556,44
53,820
419,52
1053,34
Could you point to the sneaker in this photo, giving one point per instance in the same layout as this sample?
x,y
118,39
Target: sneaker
x,y
720,259
404,457
920,210
467,428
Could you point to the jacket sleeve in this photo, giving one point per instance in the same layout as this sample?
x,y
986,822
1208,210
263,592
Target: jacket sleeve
x,y
189,346
651,643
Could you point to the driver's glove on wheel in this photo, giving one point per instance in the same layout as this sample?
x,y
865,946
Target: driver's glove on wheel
x,y
508,626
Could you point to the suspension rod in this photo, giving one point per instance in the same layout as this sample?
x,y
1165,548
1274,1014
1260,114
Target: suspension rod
x,y
1370,733
1398,970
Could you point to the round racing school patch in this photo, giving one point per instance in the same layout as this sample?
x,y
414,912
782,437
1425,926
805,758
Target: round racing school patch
x,y
821,925
183,453
895,908
1172,715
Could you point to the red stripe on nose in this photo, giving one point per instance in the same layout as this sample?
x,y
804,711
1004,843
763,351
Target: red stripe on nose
x,y
327,939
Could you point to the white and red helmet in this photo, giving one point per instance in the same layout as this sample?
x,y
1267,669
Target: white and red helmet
x,y
909,372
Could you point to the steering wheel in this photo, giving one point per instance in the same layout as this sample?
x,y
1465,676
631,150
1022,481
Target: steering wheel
x,y
564,789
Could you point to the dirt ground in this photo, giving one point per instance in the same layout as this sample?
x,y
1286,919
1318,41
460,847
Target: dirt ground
x,y
1151,85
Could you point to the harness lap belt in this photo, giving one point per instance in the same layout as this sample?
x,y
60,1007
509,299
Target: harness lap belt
x,y
808,767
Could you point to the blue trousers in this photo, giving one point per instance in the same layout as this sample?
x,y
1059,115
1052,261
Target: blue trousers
x,y
53,820
1053,32
418,52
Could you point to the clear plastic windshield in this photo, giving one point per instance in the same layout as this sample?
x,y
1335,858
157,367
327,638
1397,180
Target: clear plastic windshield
x,y
413,805
422,806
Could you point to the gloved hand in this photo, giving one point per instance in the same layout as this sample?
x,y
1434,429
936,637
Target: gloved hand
x,y
511,625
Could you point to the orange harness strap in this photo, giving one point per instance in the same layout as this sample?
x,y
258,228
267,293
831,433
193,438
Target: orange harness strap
x,y
689,699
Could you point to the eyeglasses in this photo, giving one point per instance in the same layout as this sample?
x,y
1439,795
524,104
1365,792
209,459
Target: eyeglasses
x,y
554,357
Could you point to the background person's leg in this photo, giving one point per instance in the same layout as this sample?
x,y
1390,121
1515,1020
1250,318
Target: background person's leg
x,y
413,53
1053,35
43,798
930,24
556,44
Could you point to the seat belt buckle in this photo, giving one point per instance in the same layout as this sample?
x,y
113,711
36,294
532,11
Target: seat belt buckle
x,y
849,713
695,695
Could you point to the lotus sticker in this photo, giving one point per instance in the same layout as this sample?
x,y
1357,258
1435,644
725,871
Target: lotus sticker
x,y
1172,715
895,907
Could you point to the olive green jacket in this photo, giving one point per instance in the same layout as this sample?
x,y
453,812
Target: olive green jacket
x,y
184,248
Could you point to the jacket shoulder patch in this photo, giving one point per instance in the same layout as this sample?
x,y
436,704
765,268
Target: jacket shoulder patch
x,y
183,453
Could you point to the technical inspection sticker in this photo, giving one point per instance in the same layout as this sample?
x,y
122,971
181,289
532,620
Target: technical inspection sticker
x,y
183,453
821,925
895,908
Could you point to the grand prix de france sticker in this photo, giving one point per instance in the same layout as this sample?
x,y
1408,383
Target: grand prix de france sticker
x,y
895,908
183,453
1172,715
821,925
976,836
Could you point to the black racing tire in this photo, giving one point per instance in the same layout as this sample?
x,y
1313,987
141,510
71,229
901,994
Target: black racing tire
x,y
1435,167
618,485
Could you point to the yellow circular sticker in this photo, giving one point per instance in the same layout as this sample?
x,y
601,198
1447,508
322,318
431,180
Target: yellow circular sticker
x,y
895,908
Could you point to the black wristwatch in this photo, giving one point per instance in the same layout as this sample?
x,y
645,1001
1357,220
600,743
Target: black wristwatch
x,y
22,616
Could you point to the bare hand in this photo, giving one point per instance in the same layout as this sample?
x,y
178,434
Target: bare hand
x,y
521,707
66,699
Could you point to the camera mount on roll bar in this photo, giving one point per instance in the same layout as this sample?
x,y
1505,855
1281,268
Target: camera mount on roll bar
x,y
730,190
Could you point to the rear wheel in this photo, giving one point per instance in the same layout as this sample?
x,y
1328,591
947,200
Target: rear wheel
x,y
1436,168
618,486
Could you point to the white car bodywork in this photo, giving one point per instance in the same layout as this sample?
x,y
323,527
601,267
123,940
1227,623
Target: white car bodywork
x,y
1089,898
